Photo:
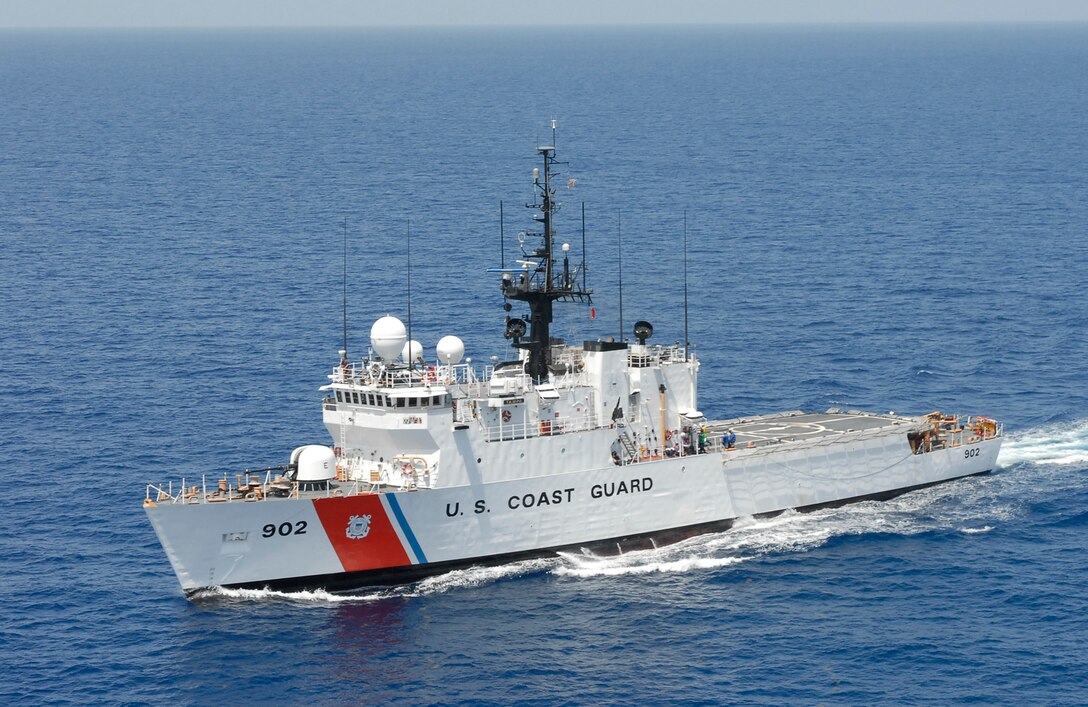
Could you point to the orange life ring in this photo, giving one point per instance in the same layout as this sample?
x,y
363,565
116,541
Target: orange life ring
x,y
506,416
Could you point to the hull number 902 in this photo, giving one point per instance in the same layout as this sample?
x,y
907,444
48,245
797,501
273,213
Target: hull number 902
x,y
973,452
285,528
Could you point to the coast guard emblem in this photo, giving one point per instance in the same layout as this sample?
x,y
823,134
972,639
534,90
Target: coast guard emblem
x,y
358,527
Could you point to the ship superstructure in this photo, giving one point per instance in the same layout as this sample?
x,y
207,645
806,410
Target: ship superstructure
x,y
599,445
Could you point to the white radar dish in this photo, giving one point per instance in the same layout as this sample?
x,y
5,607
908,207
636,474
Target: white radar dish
x,y
450,349
387,337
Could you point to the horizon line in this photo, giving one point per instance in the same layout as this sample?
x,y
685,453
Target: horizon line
x,y
561,25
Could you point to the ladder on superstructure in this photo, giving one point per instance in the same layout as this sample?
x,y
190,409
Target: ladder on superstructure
x,y
342,463
627,443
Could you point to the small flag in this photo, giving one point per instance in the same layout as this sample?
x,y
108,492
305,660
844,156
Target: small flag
x,y
592,312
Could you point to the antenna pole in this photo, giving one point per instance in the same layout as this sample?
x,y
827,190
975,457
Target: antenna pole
x,y
685,284
502,238
410,361
547,207
619,253
583,245
345,285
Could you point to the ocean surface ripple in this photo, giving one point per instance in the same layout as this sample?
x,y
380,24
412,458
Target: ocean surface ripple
x,y
883,219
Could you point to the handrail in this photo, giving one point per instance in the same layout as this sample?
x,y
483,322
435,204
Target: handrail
x,y
268,489
539,428
370,373
461,375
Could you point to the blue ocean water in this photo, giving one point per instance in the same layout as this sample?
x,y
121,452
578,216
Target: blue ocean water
x,y
878,218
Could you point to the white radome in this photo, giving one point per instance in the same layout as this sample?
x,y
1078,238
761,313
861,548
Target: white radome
x,y
387,337
416,350
450,349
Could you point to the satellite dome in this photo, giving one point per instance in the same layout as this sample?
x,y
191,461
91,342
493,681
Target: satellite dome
x,y
450,349
387,337
411,351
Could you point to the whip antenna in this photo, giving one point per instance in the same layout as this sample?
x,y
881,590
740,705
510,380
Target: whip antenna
x,y
685,284
345,285
409,243
685,342
619,253
583,245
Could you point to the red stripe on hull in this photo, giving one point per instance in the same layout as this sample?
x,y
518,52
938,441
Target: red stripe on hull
x,y
362,543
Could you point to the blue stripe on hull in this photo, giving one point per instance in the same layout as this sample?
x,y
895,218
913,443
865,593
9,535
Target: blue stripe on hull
x,y
391,498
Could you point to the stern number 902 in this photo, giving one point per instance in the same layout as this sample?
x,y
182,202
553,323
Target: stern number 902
x,y
973,452
286,528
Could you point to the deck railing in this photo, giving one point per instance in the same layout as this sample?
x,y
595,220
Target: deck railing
x,y
370,373
266,490
540,428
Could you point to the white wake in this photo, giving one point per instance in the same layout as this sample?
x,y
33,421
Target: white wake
x,y
1053,444
969,506
449,581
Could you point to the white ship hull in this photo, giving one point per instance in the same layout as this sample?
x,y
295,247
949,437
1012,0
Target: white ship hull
x,y
308,542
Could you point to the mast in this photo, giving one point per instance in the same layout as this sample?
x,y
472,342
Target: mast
x,y
537,283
